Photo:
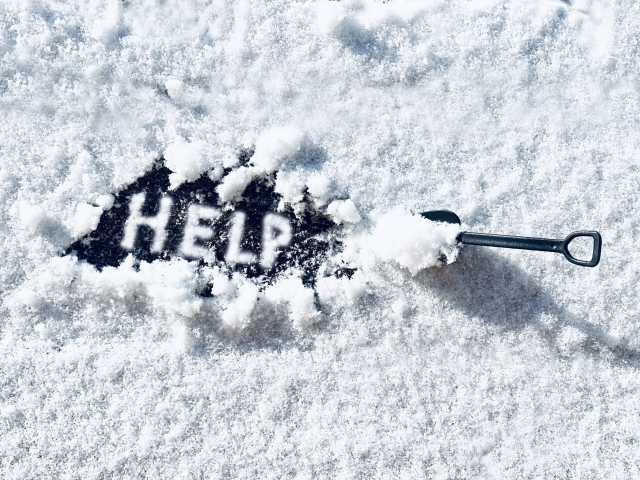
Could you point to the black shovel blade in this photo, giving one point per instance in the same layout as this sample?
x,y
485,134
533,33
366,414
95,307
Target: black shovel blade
x,y
446,216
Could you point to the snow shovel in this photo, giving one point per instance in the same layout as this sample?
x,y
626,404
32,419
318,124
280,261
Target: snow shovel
x,y
522,243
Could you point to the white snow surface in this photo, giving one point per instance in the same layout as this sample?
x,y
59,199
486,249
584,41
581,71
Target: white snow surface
x,y
521,117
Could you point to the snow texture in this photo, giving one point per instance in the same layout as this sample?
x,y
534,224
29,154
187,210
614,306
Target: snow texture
x,y
521,117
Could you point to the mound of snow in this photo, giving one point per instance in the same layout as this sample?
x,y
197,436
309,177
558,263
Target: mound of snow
x,y
186,160
412,241
343,211
302,309
274,148
85,220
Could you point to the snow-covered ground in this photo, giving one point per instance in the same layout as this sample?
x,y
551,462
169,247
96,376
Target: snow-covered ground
x,y
522,117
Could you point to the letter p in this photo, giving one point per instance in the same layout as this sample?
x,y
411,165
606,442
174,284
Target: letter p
x,y
272,224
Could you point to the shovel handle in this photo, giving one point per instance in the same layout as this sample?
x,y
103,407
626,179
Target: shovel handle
x,y
539,244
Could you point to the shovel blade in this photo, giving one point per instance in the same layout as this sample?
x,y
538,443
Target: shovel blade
x,y
446,216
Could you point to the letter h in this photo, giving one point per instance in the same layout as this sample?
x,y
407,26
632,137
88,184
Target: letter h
x,y
157,223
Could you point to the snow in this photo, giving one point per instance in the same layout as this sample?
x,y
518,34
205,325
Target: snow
x,y
31,216
343,211
234,184
234,252
135,220
412,241
303,312
319,187
521,117
105,201
193,231
276,234
85,220
291,187
171,286
237,314
273,149
186,160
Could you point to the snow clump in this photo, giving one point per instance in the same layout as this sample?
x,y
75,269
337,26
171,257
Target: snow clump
x,y
105,201
319,187
274,148
85,220
31,217
172,285
343,211
241,299
186,160
291,187
413,242
302,309
237,315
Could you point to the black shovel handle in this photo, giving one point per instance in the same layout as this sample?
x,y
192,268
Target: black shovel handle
x,y
540,244
523,243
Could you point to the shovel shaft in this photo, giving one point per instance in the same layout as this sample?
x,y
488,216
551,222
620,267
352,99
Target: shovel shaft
x,y
540,244
508,241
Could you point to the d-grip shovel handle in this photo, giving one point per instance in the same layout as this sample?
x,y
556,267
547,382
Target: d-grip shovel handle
x,y
540,244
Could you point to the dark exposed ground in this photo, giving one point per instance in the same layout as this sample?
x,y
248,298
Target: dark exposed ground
x,y
311,239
